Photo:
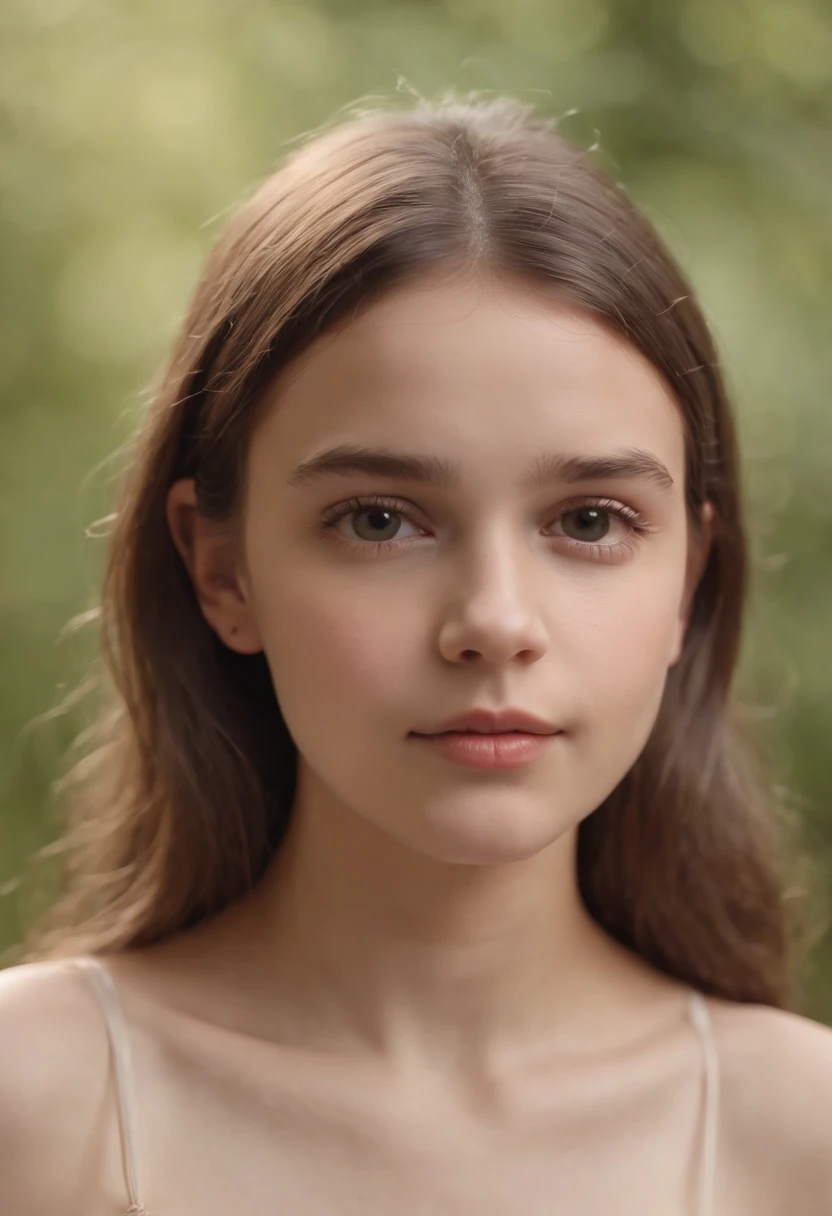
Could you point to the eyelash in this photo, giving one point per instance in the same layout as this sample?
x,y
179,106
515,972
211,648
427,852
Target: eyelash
x,y
627,515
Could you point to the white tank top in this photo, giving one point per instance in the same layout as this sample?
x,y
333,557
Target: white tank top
x,y
108,999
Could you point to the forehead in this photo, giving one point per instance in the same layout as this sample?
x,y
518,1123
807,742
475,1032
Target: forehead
x,y
486,373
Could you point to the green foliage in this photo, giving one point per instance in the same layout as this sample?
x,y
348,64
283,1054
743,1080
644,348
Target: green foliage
x,y
129,129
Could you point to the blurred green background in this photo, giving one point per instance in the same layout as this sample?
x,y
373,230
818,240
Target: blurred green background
x,y
130,128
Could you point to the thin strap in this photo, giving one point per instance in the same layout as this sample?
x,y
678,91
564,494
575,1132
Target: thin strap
x,y
701,1019
105,990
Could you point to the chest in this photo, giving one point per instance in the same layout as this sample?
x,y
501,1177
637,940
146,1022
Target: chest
x,y
315,1140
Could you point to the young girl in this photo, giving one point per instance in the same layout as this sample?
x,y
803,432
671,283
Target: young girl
x,y
420,866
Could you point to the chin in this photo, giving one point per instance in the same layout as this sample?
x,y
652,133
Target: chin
x,y
484,838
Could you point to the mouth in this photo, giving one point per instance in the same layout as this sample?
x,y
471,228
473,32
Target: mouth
x,y
484,721
490,734
498,750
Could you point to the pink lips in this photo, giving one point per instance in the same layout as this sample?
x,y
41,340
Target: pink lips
x,y
495,722
504,750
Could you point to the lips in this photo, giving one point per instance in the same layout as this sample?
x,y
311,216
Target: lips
x,y
495,722
504,750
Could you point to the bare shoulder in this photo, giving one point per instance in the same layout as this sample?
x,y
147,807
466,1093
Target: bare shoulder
x,y
775,1100
53,1082
50,1032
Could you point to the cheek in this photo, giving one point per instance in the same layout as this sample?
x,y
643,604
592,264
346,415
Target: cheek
x,y
334,654
623,641
620,647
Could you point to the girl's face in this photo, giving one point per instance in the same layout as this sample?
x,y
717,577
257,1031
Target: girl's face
x,y
565,596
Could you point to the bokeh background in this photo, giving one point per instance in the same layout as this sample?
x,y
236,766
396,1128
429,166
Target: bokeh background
x,y
130,128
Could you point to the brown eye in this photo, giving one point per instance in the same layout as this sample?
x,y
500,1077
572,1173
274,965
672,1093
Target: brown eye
x,y
586,523
380,521
373,524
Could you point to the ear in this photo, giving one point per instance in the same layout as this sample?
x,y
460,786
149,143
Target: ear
x,y
699,548
210,553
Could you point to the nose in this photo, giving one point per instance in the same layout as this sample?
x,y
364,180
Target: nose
x,y
494,615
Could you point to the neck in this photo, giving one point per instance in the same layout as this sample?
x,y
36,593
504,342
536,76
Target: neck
x,y
358,944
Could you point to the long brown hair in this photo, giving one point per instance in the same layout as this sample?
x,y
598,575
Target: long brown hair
x,y
184,798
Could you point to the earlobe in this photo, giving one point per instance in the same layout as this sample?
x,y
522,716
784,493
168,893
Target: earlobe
x,y
245,639
679,642
208,550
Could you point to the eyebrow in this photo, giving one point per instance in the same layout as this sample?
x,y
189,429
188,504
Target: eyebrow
x,y
632,464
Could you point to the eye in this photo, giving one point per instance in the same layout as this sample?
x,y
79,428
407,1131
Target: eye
x,y
588,524
586,529
369,521
376,523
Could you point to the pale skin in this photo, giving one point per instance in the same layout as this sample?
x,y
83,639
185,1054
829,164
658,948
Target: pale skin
x,y
413,1012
